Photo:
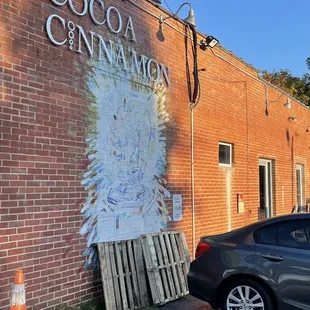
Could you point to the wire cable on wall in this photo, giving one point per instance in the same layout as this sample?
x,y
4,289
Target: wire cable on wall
x,y
188,74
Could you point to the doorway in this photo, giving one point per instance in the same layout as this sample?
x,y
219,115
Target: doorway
x,y
265,189
300,185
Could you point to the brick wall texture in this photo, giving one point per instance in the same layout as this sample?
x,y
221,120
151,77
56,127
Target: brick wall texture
x,y
43,111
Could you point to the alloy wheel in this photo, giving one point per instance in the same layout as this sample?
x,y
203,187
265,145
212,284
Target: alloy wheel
x,y
244,297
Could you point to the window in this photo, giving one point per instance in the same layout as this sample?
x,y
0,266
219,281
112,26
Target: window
x,y
266,235
293,234
225,154
265,188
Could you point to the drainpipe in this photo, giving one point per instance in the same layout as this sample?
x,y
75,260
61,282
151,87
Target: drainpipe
x,y
193,182
293,171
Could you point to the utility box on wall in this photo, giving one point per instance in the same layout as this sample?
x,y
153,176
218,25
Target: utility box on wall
x,y
240,203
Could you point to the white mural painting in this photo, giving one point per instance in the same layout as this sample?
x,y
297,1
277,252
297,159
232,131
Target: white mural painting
x,y
127,153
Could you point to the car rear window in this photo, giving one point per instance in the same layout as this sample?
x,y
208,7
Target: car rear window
x,y
294,234
266,235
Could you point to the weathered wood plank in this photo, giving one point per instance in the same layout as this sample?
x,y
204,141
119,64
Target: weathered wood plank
x,y
172,262
158,280
115,277
168,266
104,276
127,273
135,287
179,268
180,238
184,245
121,275
110,280
141,273
162,269
150,270
107,277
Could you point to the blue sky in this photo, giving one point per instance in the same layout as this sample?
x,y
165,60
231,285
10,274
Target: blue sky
x,y
269,34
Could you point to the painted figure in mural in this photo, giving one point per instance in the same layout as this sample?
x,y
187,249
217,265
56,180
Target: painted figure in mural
x,y
127,151
129,148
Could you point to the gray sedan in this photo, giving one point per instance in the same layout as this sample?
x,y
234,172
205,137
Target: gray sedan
x,y
263,266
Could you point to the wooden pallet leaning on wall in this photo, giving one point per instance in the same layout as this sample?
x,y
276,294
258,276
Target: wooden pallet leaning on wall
x,y
167,262
123,275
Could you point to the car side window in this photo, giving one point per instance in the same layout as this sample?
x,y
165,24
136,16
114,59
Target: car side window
x,y
294,234
266,235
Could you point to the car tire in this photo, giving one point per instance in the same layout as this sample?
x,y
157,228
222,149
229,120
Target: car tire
x,y
254,293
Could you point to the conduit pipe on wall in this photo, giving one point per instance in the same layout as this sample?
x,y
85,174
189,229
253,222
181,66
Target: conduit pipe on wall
x,y
193,183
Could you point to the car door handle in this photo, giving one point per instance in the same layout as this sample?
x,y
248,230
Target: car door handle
x,y
273,257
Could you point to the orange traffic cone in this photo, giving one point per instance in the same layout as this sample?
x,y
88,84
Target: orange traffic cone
x,y
18,300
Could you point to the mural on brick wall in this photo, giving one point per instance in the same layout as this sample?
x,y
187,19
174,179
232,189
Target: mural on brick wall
x,y
127,153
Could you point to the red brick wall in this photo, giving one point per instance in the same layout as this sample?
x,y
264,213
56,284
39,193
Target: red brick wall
x,y
42,120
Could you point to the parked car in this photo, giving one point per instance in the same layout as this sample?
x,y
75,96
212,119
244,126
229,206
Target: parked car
x,y
263,266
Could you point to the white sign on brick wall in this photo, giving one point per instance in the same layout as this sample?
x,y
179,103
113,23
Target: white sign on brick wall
x,y
177,207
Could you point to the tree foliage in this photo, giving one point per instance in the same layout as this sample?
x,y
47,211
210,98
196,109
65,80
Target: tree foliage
x,y
298,87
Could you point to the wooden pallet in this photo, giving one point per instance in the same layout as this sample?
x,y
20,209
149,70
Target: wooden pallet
x,y
167,262
123,275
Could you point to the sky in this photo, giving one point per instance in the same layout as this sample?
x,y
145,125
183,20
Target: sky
x,y
268,34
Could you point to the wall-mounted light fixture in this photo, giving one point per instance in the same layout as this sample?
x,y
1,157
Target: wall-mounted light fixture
x,y
190,19
287,104
208,41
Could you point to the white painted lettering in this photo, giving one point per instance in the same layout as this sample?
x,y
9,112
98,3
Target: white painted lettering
x,y
153,69
92,12
59,3
89,46
137,66
119,17
49,28
108,52
121,56
130,28
166,74
85,8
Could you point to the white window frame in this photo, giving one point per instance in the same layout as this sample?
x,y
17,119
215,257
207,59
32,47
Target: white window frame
x,y
230,155
301,170
268,165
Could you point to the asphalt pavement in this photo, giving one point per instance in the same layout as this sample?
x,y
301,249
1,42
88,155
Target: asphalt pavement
x,y
185,303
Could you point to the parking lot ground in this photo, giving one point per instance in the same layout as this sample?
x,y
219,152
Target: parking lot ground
x,y
185,303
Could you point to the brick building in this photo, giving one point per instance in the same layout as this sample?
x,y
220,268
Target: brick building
x,y
95,118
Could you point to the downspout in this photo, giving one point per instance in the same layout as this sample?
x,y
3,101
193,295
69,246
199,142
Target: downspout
x,y
293,171
193,181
